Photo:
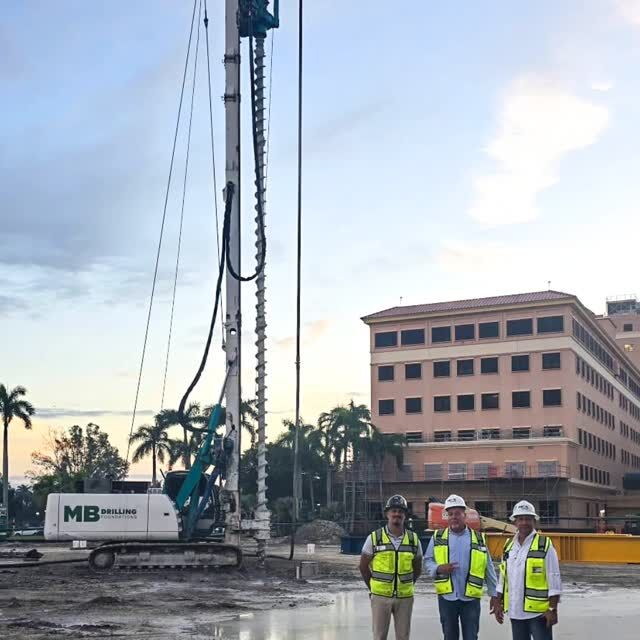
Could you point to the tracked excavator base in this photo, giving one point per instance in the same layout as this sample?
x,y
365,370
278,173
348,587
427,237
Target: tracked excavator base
x,y
164,555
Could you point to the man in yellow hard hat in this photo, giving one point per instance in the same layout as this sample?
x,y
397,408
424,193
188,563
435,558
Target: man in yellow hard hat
x,y
459,562
390,564
530,584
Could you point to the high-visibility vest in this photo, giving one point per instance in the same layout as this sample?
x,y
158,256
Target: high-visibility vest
x,y
391,568
477,564
536,585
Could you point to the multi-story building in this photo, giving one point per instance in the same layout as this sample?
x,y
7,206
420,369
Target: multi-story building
x,y
527,395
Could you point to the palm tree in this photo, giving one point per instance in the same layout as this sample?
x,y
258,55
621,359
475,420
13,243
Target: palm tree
x,y
325,440
379,447
288,439
12,406
153,441
189,419
248,417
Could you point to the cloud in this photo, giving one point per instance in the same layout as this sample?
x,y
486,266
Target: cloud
x,y
55,412
540,122
465,258
629,10
603,86
310,331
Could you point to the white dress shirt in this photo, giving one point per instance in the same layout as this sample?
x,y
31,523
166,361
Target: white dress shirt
x,y
516,564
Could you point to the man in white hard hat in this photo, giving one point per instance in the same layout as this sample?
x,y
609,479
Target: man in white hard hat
x,y
459,562
530,585
390,564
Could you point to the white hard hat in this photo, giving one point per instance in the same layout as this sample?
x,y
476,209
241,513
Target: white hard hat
x,y
524,508
454,501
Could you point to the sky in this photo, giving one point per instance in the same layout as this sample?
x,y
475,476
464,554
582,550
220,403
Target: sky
x,y
451,150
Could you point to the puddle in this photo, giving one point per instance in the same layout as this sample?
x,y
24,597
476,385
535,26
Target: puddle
x,y
348,617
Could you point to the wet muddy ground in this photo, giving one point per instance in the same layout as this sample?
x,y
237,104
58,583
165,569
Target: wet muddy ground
x,y
68,601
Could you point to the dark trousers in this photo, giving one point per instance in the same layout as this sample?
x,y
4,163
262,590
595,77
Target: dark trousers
x,y
458,613
535,628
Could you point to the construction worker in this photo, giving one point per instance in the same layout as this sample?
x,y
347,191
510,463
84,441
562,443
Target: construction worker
x,y
458,560
530,585
390,564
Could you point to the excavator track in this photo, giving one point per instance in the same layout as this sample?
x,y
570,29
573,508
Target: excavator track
x,y
164,555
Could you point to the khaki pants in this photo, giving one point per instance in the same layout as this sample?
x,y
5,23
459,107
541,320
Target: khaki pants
x,y
381,611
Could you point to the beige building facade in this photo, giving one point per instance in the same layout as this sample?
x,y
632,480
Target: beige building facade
x,y
529,395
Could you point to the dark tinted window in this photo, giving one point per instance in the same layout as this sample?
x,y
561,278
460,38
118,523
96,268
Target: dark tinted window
x,y
520,327
442,369
490,400
489,365
521,399
385,373
413,405
628,327
465,332
551,324
442,403
466,402
465,367
413,371
551,360
387,339
386,407
412,336
489,330
520,363
552,397
440,334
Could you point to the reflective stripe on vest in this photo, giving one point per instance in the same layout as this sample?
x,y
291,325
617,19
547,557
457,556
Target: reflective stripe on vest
x,y
536,586
478,559
391,568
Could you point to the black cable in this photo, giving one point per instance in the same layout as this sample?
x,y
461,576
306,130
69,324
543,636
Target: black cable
x,y
184,195
164,216
296,470
259,186
229,195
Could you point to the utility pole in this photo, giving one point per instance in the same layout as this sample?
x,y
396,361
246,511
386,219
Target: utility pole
x,y
233,316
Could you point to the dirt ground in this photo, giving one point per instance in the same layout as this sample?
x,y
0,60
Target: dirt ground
x,y
69,601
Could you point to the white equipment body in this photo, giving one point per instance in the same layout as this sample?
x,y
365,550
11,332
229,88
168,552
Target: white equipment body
x,y
95,516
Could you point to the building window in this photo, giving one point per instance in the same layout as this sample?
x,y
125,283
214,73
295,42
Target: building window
x,y
386,339
581,472
465,367
481,470
551,360
549,512
521,399
551,324
413,405
433,472
466,402
457,471
465,332
385,374
490,434
412,336
552,397
522,327
510,504
442,369
484,508
520,363
442,436
440,334
465,435
413,371
552,431
413,436
489,330
490,400
515,469
628,327
442,403
489,365
548,468
386,407
521,433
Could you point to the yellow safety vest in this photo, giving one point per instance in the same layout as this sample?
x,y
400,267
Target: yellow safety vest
x,y
536,585
477,564
391,568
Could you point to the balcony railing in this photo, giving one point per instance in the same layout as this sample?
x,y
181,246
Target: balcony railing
x,y
480,435
484,472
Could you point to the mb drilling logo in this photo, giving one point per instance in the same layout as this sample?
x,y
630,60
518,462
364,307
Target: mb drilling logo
x,y
93,513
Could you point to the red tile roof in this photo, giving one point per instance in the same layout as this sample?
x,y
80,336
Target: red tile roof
x,y
474,303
